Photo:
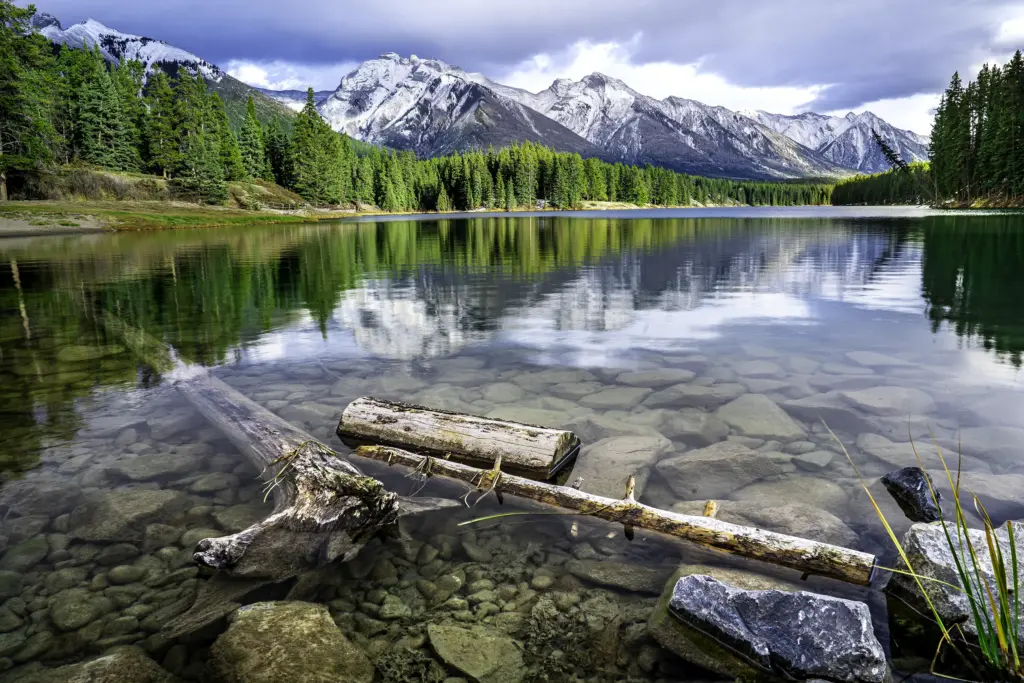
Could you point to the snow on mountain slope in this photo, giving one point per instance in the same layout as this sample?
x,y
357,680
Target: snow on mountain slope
x,y
681,134
847,141
432,108
116,45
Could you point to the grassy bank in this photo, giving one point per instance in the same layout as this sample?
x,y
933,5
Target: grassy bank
x,y
52,217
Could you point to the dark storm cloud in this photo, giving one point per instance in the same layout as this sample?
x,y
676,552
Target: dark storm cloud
x,y
865,49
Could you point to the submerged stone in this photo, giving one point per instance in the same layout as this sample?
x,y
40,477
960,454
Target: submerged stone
x,y
123,515
126,665
911,488
482,654
270,642
758,416
624,576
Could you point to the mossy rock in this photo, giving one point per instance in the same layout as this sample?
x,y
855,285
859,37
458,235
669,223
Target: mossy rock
x,y
270,642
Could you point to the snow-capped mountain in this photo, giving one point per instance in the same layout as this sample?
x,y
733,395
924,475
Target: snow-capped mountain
x,y
432,108
677,133
156,54
847,141
116,45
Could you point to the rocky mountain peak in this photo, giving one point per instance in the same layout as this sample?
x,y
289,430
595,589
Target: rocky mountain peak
x,y
43,20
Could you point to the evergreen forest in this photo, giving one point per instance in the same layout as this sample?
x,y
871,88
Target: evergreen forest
x,y
62,107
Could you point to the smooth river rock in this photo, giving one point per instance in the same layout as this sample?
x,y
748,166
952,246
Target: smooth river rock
x,y
715,471
606,465
757,415
123,515
890,401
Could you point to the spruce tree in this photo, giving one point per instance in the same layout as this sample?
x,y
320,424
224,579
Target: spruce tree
x,y
316,157
444,204
27,137
163,149
201,176
224,138
250,143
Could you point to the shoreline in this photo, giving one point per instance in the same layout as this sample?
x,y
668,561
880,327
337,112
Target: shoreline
x,y
47,217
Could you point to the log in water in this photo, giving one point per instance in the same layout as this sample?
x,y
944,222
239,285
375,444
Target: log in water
x,y
807,556
536,452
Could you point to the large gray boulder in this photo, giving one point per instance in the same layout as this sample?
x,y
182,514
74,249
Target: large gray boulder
x,y
929,553
270,642
691,645
794,635
126,665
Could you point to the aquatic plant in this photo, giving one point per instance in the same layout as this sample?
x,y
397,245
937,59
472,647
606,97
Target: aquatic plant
x,y
992,651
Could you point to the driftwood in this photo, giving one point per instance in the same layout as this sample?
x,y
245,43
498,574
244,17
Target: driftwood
x,y
536,452
809,557
325,509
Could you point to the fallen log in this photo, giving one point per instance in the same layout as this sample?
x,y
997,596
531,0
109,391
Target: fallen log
x,y
806,556
536,452
325,509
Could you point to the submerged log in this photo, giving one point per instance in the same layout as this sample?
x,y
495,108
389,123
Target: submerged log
x,y
325,509
536,452
806,556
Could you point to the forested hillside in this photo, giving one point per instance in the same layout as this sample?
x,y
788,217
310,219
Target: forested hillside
x,y
913,185
978,138
74,108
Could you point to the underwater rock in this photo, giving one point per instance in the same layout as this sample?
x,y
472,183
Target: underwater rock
x,y
759,416
893,401
624,576
126,665
911,488
606,465
269,642
715,471
798,634
25,555
123,515
483,654
157,466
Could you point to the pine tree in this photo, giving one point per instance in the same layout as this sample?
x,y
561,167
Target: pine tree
x,y
250,143
128,78
224,139
275,151
444,205
161,140
201,176
102,125
27,137
316,157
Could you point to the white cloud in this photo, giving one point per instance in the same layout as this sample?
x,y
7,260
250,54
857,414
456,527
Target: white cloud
x,y
282,75
656,79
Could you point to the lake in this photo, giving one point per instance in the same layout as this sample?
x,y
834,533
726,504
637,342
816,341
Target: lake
x,y
650,334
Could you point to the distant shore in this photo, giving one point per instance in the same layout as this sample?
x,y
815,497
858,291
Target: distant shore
x,y
51,217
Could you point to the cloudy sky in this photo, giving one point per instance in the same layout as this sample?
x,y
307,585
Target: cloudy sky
x,y
890,56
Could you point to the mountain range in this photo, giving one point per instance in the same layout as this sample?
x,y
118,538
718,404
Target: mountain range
x,y
433,108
